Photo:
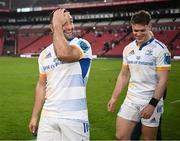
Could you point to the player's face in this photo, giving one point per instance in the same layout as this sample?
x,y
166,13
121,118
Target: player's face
x,y
68,27
141,32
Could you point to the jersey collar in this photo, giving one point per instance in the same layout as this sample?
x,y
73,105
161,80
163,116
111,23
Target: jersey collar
x,y
144,44
70,39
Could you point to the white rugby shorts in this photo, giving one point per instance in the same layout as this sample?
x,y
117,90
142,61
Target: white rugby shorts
x,y
131,111
57,129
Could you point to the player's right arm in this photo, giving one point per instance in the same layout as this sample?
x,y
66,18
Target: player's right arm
x,y
121,82
39,101
63,50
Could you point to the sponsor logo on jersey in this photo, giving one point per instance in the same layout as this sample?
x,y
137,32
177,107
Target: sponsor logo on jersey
x,y
141,63
53,65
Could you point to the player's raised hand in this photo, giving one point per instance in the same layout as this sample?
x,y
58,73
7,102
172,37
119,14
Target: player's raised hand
x,y
60,17
111,105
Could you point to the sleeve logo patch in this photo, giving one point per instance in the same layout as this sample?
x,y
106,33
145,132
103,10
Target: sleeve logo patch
x,y
83,45
167,58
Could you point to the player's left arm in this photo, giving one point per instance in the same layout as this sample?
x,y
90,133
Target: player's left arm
x,y
159,91
162,71
162,84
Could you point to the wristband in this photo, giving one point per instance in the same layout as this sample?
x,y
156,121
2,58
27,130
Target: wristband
x,y
153,102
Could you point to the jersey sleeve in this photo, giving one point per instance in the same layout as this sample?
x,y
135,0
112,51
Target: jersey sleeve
x,y
83,46
125,62
41,69
163,61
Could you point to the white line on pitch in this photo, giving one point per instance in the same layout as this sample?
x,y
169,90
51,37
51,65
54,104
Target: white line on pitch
x,y
176,101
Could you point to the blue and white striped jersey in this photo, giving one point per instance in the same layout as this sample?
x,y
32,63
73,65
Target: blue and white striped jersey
x,y
66,82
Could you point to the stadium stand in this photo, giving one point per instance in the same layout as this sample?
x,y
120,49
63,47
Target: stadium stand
x,y
1,40
100,22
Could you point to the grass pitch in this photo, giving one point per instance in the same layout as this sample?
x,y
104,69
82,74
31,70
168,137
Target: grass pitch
x,y
17,83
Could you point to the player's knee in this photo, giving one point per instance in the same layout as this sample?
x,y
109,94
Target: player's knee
x,y
150,137
121,137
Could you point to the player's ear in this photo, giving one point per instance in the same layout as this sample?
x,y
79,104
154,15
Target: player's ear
x,y
51,27
151,33
150,26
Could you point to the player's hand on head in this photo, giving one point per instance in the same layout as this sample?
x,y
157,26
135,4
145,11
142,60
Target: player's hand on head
x,y
60,17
